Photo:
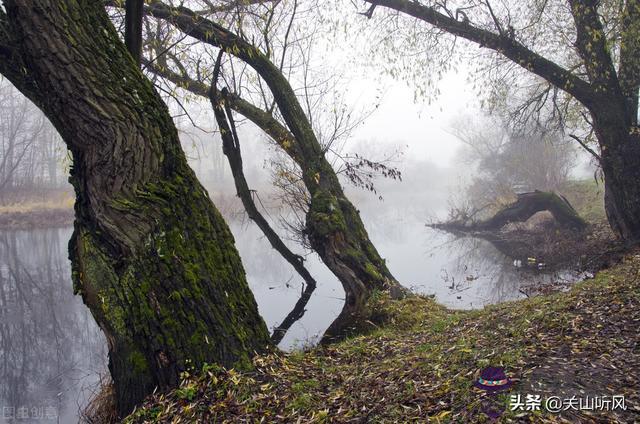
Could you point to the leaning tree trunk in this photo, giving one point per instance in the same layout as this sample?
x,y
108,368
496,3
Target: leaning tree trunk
x,y
333,225
152,257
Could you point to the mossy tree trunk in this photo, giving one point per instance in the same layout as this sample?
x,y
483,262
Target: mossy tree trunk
x,y
333,225
527,204
152,257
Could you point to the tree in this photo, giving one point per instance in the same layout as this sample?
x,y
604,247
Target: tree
x,y
333,225
20,129
151,256
505,163
600,71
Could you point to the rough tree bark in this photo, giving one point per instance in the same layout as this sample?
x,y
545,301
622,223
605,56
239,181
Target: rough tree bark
x,y
152,257
609,94
333,225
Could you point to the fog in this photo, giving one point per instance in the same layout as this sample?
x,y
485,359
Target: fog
x,y
402,130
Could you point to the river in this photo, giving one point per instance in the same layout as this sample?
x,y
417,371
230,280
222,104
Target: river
x,y
53,354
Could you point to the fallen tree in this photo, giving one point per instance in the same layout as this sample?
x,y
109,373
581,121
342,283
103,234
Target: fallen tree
x,y
525,206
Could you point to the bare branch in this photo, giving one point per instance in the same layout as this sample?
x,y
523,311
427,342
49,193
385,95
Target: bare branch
x,y
629,71
211,33
231,6
265,121
495,19
506,46
584,145
231,149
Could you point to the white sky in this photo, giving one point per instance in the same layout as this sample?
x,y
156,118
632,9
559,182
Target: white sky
x,y
421,126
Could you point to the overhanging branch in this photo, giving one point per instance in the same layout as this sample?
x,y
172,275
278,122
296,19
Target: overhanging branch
x,y
214,34
503,44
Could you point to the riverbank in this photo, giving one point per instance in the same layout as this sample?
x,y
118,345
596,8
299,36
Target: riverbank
x,y
420,365
542,242
30,215
34,209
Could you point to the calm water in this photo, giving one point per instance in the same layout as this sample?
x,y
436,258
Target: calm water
x,y
53,353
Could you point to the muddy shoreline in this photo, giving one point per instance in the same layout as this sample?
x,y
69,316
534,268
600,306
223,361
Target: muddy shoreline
x,y
554,248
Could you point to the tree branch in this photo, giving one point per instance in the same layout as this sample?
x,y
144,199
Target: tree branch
x,y
584,146
133,28
230,6
504,45
263,120
629,71
231,149
211,33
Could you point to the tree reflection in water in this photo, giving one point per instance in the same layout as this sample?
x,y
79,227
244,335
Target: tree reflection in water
x,y
52,352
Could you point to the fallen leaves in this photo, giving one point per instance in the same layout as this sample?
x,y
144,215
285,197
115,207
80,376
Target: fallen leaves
x,y
420,366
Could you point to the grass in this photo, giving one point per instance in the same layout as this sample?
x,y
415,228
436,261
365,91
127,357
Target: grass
x,y
420,364
587,198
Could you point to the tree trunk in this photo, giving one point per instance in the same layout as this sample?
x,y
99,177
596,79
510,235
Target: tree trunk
x,y
528,204
333,224
152,257
620,161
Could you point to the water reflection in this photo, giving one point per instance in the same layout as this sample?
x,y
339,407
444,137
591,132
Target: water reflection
x,y
462,273
53,353
51,349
